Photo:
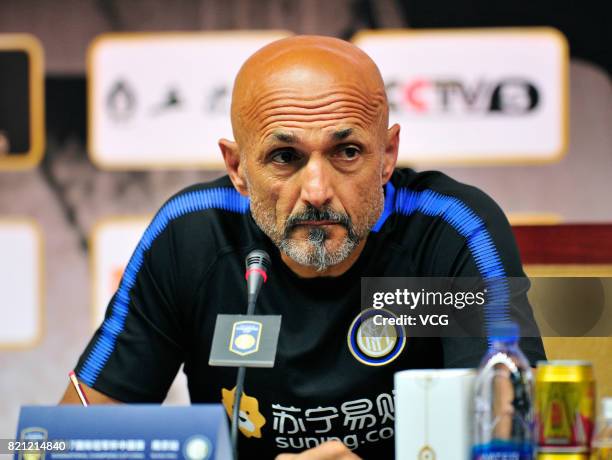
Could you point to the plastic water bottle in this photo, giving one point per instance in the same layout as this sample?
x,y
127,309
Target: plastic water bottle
x,y
602,443
504,414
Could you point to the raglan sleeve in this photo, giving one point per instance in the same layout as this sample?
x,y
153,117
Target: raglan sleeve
x,y
483,247
136,352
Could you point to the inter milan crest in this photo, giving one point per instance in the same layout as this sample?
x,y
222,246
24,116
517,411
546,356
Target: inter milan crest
x,y
245,337
372,341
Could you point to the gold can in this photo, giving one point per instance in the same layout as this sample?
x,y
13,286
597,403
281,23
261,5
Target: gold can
x,y
564,405
560,456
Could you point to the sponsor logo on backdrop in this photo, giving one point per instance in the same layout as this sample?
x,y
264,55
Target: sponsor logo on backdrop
x,y
171,101
457,96
218,100
121,101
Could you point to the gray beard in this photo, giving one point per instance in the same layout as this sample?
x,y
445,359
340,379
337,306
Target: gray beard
x,y
312,252
317,255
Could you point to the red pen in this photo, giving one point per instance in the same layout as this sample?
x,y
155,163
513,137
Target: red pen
x,y
78,388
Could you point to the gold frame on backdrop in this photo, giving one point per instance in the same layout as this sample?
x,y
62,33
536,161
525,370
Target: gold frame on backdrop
x,y
42,320
468,159
534,218
32,47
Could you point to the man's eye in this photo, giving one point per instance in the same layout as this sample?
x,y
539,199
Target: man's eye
x,y
283,156
349,153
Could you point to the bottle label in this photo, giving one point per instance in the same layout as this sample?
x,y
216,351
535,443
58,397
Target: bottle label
x,y
504,451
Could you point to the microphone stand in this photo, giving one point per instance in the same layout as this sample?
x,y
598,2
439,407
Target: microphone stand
x,y
256,262
239,387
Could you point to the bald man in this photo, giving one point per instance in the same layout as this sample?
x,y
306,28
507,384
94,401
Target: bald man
x,y
312,180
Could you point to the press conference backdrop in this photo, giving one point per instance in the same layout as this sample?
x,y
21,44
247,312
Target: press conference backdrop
x,y
69,226
509,85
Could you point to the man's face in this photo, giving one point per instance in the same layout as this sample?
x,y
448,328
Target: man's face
x,y
312,147
315,179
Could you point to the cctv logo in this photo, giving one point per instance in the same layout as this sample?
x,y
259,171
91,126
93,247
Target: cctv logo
x,y
423,96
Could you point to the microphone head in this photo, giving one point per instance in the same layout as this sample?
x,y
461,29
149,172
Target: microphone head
x,y
259,259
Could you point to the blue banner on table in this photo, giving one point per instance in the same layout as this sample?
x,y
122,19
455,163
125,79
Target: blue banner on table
x,y
196,432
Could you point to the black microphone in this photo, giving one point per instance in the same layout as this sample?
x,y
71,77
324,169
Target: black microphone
x,y
257,263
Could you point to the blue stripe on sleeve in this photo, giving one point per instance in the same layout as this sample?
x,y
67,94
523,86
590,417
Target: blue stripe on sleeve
x,y
471,227
217,198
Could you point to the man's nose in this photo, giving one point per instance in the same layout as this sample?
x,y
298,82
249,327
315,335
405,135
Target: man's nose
x,y
317,188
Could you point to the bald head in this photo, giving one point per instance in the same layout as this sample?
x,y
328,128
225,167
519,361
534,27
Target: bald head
x,y
306,76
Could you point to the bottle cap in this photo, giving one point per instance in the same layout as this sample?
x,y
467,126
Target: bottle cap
x,y
606,406
507,331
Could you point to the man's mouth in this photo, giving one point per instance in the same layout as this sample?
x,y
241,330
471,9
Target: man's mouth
x,y
318,222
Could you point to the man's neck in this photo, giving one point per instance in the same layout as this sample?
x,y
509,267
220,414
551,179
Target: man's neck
x,y
335,270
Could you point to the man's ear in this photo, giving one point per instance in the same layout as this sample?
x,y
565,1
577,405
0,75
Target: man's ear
x,y
390,155
235,170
